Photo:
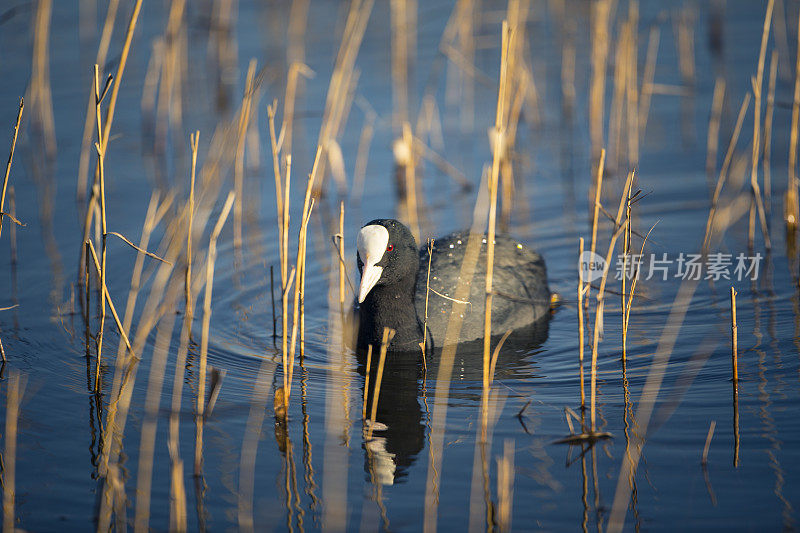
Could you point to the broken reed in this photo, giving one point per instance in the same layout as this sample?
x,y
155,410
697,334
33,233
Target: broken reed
x,y
704,457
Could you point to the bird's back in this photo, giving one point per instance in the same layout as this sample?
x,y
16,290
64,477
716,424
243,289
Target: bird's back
x,y
521,295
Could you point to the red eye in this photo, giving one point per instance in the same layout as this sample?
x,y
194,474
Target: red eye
x,y
390,248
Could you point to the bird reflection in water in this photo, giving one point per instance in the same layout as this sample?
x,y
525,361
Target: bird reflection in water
x,y
398,433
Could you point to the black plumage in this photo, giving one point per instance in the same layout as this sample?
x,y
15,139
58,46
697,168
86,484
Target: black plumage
x,y
397,297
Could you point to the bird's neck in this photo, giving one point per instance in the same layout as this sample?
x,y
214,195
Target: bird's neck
x,y
392,307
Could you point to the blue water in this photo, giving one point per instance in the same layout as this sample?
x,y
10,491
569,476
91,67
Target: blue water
x,y
322,452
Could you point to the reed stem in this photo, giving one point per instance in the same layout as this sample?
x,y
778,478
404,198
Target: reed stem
x,y
388,335
581,347
8,165
734,338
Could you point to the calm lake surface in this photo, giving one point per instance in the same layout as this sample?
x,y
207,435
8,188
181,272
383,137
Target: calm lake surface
x,y
318,470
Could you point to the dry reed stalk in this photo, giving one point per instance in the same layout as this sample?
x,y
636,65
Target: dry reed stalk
x,y
14,392
308,198
194,140
123,59
201,379
41,96
632,85
341,79
648,77
626,252
598,189
600,12
496,355
519,87
296,68
618,96
400,47
341,254
581,338
279,403
366,383
388,335
757,85
766,152
99,145
244,120
711,427
734,338
447,357
173,71
568,58
308,205
100,59
154,308
409,167
284,229
276,169
98,268
499,134
505,486
685,43
791,211
87,313
272,297
102,139
723,173
598,317
714,120
362,155
8,165
12,206
424,344
629,304
153,216
736,424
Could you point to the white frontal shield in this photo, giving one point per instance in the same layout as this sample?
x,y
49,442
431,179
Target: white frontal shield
x,y
371,243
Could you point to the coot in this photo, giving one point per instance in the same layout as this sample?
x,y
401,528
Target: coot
x,y
393,282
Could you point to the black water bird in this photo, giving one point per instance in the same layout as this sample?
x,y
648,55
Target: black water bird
x,y
393,287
